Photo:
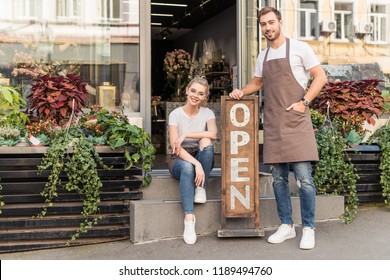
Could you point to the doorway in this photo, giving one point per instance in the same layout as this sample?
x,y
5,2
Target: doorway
x,y
206,30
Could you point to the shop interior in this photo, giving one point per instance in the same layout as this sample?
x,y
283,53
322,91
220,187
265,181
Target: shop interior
x,y
204,33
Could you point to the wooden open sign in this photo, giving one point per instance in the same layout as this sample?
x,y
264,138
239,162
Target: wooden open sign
x,y
240,165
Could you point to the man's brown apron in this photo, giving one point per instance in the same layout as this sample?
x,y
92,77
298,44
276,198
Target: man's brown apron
x,y
288,135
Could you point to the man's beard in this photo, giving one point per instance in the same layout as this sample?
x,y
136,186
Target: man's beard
x,y
276,36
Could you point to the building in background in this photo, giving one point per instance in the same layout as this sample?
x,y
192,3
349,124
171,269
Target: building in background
x,y
110,41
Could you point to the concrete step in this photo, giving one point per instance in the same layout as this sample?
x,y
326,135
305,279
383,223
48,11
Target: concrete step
x,y
159,214
164,186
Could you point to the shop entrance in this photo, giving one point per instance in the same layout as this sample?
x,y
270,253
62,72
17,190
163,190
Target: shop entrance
x,y
205,30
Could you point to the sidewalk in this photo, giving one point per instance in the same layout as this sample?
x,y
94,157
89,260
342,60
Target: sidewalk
x,y
368,237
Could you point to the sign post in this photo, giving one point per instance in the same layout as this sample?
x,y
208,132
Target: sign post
x,y
240,167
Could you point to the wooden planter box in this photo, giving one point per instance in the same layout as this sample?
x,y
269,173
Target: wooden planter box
x,y
366,160
21,193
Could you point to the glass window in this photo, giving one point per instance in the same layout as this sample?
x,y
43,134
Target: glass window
x,y
68,8
343,17
270,3
28,9
308,19
111,9
379,18
104,56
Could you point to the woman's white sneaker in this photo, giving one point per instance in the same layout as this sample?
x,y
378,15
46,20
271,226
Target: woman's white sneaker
x,y
283,233
308,239
189,234
200,195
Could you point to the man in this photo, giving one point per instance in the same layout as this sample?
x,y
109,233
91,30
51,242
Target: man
x,y
283,70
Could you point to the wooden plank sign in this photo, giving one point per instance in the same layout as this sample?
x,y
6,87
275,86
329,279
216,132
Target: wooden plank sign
x,y
240,165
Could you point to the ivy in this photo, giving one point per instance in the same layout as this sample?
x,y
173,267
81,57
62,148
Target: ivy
x,y
382,136
80,168
334,173
1,198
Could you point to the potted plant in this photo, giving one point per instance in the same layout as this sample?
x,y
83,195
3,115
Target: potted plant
x,y
57,98
11,104
350,104
119,134
382,138
80,165
9,135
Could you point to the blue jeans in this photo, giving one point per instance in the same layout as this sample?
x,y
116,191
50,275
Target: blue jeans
x,y
307,192
184,171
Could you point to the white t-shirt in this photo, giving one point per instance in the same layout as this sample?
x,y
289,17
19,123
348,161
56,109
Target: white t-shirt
x,y
186,124
302,59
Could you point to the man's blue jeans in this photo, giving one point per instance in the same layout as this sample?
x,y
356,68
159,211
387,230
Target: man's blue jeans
x,y
184,171
307,192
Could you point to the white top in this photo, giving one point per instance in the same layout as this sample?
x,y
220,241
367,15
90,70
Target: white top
x,y
302,59
186,124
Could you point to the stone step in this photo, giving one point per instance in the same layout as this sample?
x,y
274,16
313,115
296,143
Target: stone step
x,y
164,186
159,214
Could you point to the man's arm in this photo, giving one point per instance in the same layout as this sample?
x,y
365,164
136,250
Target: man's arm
x,y
253,86
319,80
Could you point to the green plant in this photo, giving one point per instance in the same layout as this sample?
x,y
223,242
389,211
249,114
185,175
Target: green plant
x,y
11,102
80,168
1,198
382,136
121,134
57,98
350,104
317,118
9,135
334,173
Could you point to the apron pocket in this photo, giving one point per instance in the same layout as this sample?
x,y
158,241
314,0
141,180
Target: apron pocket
x,y
296,122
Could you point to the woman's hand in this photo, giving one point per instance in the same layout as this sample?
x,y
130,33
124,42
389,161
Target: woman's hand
x,y
177,145
199,175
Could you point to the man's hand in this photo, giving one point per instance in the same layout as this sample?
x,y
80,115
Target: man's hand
x,y
298,106
236,94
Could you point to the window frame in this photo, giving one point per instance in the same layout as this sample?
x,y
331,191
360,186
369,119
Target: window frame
x,y
375,18
308,13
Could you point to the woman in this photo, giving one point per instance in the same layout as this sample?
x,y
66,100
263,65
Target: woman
x,y
192,128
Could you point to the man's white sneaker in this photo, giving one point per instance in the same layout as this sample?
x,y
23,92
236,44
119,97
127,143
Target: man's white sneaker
x,y
283,233
308,239
189,234
200,195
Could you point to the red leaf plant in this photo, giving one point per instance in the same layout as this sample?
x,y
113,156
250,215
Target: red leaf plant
x,y
351,103
52,98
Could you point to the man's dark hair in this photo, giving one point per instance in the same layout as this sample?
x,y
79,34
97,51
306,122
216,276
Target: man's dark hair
x,y
267,10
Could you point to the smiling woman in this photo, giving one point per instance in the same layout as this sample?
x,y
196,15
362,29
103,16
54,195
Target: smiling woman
x,y
192,128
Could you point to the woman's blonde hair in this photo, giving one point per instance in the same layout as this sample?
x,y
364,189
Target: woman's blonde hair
x,y
202,81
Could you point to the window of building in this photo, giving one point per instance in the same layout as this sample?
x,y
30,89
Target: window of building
x,y
111,10
344,19
27,9
270,3
379,18
68,8
308,19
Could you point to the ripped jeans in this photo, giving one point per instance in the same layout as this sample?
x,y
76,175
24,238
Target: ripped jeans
x,y
307,192
184,171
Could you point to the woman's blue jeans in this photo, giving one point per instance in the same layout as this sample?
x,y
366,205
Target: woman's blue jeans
x,y
184,171
307,192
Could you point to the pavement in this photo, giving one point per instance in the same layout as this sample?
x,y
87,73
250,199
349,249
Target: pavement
x,y
366,238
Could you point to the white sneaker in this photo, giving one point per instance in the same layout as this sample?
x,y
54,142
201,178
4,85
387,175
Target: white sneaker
x,y
200,195
189,234
308,240
283,233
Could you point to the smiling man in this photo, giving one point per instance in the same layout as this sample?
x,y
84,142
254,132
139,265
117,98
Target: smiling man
x,y
283,70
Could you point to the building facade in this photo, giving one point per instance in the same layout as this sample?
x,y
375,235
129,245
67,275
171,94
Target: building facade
x,y
109,41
